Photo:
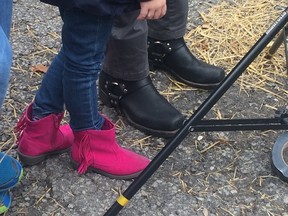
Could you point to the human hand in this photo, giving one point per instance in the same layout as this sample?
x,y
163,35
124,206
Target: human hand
x,y
152,9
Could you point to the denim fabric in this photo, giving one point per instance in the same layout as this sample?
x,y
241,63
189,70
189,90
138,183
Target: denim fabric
x,y
71,78
5,48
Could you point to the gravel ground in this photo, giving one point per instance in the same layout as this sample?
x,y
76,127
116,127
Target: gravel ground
x,y
212,173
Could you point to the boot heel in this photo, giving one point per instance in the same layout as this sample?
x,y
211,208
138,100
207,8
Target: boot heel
x,y
30,160
33,160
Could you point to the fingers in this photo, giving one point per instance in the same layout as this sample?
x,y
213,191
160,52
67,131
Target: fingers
x,y
150,11
164,10
143,13
151,14
161,12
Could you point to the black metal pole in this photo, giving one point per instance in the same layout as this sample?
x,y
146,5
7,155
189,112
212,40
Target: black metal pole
x,y
198,115
285,39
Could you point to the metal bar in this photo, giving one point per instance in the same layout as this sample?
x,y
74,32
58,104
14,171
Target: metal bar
x,y
241,124
244,127
198,115
240,121
285,39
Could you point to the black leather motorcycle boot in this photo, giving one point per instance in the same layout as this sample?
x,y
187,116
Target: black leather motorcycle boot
x,y
174,57
141,104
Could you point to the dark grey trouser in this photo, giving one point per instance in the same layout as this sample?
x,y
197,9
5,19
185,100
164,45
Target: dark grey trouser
x,y
126,56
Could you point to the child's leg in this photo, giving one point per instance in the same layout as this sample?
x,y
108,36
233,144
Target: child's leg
x,y
94,147
5,51
5,64
10,169
40,131
84,39
49,98
5,16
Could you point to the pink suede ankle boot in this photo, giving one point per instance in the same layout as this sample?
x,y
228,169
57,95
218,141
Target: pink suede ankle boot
x,y
43,137
98,151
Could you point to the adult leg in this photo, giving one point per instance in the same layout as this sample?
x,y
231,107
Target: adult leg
x,y
124,82
126,55
168,51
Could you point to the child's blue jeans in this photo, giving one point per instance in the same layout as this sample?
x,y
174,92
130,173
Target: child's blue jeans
x,y
5,48
71,77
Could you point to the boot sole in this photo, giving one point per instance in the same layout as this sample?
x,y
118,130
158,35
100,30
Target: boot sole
x,y
162,68
33,160
105,100
75,166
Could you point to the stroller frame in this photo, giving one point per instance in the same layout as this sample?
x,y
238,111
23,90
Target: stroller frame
x,y
195,122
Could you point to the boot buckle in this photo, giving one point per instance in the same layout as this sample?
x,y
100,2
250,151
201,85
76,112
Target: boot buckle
x,y
115,91
159,50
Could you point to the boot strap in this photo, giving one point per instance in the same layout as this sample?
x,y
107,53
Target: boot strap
x,y
117,90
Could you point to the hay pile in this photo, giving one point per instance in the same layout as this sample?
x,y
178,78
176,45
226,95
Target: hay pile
x,y
228,32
